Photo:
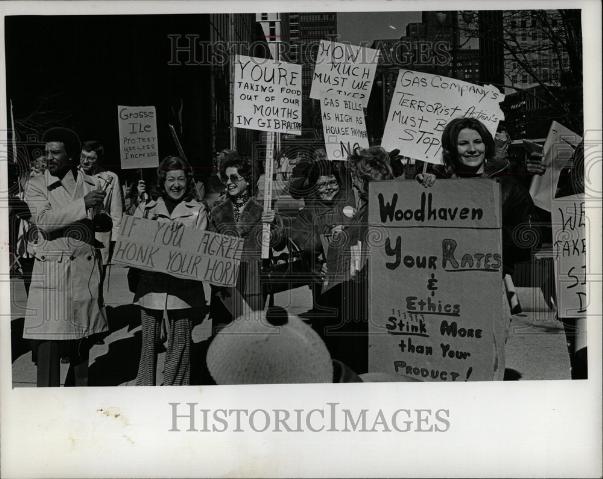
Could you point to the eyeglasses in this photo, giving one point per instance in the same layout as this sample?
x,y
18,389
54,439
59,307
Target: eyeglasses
x,y
327,184
232,178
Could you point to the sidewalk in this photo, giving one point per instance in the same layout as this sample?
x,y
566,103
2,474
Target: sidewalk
x,y
535,349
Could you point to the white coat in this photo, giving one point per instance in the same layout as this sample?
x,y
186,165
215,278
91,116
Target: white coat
x,y
64,298
160,290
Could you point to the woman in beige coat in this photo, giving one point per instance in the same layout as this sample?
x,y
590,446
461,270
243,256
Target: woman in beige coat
x,y
168,303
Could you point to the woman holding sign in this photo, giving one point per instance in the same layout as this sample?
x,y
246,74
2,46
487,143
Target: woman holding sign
x,y
167,304
469,152
328,193
342,225
241,215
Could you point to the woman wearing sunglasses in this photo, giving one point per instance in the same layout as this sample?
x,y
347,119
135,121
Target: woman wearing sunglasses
x,y
239,214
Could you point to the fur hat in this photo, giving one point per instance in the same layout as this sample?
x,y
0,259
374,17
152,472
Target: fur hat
x,y
266,347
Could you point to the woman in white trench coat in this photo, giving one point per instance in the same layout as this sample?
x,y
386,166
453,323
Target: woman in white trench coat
x,y
64,307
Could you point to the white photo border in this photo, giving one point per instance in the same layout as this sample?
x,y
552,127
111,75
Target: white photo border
x,y
532,428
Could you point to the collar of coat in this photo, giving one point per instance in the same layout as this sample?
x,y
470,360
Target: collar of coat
x,y
496,167
182,209
102,175
54,181
223,217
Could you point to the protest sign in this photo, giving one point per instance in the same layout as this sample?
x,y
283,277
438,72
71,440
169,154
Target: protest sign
x,y
178,250
267,95
435,280
423,104
344,69
558,150
138,137
569,249
343,126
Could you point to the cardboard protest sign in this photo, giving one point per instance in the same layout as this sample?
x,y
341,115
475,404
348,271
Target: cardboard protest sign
x,y
138,137
569,248
178,250
344,69
267,95
558,150
435,258
423,104
343,126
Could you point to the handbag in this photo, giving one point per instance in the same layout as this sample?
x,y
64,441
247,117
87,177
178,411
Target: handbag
x,y
290,269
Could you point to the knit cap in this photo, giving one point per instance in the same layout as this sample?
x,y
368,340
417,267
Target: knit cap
x,y
264,347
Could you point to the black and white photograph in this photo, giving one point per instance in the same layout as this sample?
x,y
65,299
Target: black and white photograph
x,y
384,197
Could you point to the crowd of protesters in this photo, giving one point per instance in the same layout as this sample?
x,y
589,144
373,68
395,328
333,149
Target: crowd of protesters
x,y
68,216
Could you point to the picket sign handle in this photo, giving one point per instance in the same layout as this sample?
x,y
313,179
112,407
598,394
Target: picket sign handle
x,y
268,172
424,167
177,142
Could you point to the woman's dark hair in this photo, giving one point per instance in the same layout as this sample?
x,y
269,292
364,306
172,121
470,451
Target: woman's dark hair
x,y
224,155
172,163
321,168
243,167
450,139
369,164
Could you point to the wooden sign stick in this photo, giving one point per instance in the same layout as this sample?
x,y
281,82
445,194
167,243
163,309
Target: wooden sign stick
x,y
177,142
268,171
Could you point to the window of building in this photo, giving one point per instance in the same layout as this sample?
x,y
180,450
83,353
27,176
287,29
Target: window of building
x,y
513,79
264,16
523,36
523,24
524,78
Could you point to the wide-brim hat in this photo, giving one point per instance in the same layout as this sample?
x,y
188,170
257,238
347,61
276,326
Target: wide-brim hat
x,y
267,348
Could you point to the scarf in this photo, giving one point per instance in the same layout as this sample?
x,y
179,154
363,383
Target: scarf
x,y
238,203
170,204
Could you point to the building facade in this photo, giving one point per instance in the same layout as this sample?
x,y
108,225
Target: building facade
x,y
532,55
232,34
306,30
436,45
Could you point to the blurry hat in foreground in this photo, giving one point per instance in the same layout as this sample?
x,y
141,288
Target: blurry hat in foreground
x,y
267,347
